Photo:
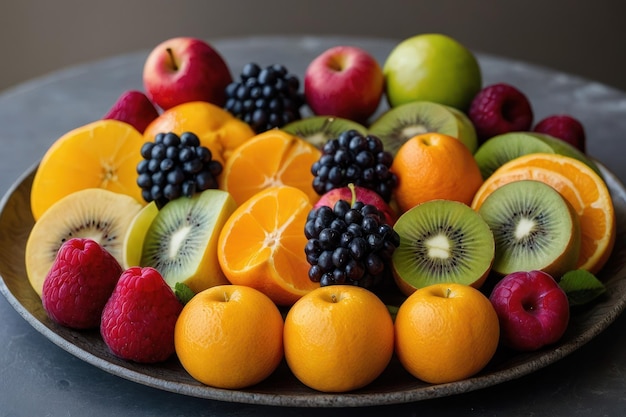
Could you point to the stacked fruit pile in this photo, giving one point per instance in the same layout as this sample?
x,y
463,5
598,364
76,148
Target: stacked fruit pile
x,y
209,220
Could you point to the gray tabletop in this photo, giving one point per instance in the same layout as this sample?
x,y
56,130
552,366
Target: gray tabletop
x,y
37,378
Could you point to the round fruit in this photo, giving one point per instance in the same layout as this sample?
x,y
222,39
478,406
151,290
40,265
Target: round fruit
x,y
229,336
101,154
338,338
446,333
580,185
95,213
442,241
432,67
534,228
434,166
261,245
217,129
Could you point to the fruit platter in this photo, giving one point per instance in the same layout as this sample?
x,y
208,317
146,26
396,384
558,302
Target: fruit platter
x,y
282,238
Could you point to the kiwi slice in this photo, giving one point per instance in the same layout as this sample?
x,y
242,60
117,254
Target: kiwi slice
x,y
181,242
500,149
319,129
534,228
442,241
94,213
398,124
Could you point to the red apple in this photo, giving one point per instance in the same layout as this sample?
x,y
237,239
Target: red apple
x,y
344,81
532,309
365,195
185,69
134,108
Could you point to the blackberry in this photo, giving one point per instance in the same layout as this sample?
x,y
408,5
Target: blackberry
x,y
354,158
349,245
265,98
175,166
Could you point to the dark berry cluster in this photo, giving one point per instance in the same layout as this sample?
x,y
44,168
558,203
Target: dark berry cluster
x,y
265,97
357,159
175,166
349,245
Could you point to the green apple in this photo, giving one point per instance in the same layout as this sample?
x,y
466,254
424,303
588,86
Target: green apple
x,y
432,67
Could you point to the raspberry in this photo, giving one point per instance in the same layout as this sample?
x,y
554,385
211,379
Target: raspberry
x,y
176,166
138,320
79,283
353,158
349,244
500,108
265,98
564,127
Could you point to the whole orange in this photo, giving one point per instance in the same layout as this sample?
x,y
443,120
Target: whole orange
x,y
446,332
216,128
338,338
434,166
229,336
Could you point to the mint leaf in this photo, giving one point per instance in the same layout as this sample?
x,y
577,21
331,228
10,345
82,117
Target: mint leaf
x,y
581,287
183,293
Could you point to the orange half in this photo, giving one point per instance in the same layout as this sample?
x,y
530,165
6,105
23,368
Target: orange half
x,y
583,188
101,154
262,244
269,159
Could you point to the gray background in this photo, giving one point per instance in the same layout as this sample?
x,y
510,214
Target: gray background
x,y
585,38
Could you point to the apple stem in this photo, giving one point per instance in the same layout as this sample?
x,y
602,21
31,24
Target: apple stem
x,y
171,54
353,191
333,298
226,297
448,292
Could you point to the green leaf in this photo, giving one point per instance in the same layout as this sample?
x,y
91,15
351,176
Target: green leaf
x,y
581,287
183,292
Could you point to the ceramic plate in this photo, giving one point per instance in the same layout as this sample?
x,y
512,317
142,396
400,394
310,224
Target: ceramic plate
x,y
394,386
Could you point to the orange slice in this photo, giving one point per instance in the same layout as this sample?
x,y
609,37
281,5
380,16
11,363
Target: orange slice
x,y
262,244
101,154
269,159
583,188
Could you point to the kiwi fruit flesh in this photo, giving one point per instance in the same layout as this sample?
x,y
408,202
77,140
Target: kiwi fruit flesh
x,y
399,124
534,228
93,213
319,129
500,149
442,241
181,241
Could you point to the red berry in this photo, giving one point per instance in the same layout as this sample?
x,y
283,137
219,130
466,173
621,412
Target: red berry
x,y
564,127
135,108
79,283
138,320
500,108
